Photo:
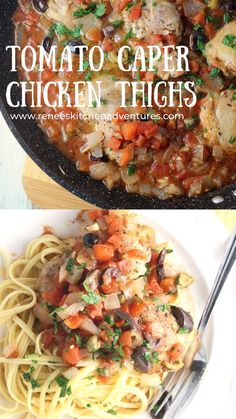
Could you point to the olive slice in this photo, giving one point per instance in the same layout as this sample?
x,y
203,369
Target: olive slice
x,y
160,264
47,43
40,5
140,362
183,318
72,44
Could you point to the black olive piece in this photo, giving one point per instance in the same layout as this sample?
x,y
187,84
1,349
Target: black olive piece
x,y
128,318
47,43
140,362
108,30
40,5
160,264
183,318
164,409
90,239
72,44
195,38
229,6
103,158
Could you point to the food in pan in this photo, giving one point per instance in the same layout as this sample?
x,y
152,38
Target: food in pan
x,y
92,324
161,156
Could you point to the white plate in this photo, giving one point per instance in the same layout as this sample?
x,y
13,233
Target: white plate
x,y
187,230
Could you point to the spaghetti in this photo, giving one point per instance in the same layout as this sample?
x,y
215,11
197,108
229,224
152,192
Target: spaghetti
x,y
48,367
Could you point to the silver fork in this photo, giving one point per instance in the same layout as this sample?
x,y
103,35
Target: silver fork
x,y
179,386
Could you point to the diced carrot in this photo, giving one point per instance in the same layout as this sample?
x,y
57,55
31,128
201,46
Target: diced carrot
x,y
127,154
73,322
114,143
94,34
71,354
210,30
135,12
136,308
125,338
107,44
168,284
153,284
103,379
103,252
95,311
115,240
199,18
136,253
110,288
53,296
129,130
175,352
124,266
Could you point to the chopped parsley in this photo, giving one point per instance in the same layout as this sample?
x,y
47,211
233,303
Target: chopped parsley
x,y
129,34
230,41
131,169
117,23
91,297
232,140
197,27
112,412
163,307
182,331
190,122
98,10
63,383
88,405
227,17
201,44
214,20
234,96
108,320
82,266
102,371
61,29
29,378
88,76
169,250
151,357
70,264
78,340
214,73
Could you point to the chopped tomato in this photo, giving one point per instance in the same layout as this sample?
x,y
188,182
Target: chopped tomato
x,y
115,240
103,379
94,34
125,338
129,130
115,223
95,311
135,12
127,154
170,39
71,354
110,288
175,352
125,307
153,39
160,169
120,115
53,296
107,44
153,283
94,214
14,354
73,322
136,308
114,143
168,284
47,338
199,18
127,351
121,4
136,253
103,252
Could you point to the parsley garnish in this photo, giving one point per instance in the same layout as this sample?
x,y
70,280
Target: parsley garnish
x,y
102,371
227,17
129,34
163,307
117,23
112,412
182,331
232,140
131,169
99,10
61,29
28,377
230,41
70,264
214,73
108,320
63,383
91,297
234,96
82,266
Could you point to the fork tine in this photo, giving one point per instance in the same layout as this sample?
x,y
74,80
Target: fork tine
x,y
168,390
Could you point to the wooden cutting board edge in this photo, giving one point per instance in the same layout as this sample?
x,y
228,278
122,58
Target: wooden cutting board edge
x,y
45,193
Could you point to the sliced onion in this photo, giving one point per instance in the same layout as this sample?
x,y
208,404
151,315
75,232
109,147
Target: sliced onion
x,y
101,170
198,154
91,141
72,310
63,272
192,7
217,152
92,280
129,180
112,302
89,326
73,297
140,150
136,288
97,151
145,189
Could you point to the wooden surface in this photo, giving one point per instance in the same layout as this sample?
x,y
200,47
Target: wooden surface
x,y
12,194
45,193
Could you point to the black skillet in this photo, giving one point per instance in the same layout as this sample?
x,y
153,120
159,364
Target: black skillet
x,y
58,167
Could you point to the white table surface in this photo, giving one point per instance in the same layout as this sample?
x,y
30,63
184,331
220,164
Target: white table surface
x,y
12,194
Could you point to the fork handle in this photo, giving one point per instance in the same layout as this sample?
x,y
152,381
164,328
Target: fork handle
x,y
224,270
